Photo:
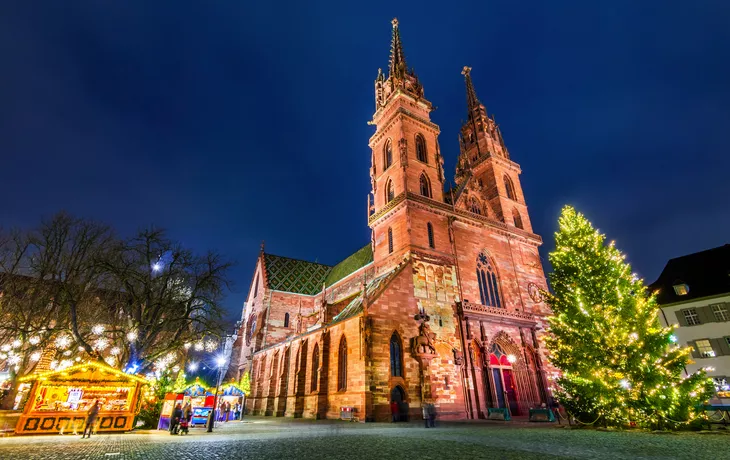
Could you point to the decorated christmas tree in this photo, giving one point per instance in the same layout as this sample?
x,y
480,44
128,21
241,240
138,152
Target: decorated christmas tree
x,y
619,366
246,383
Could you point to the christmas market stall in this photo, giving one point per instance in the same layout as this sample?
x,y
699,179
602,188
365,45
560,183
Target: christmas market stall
x,y
230,397
200,400
59,400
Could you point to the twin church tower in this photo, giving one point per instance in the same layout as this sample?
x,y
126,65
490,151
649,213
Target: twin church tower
x,y
441,307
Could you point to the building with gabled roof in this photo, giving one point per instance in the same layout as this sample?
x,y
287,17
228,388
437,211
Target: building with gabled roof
x,y
443,307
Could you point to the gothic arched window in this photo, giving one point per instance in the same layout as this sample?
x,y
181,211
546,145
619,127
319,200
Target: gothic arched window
x,y
342,366
388,155
425,186
510,189
286,320
421,149
431,242
389,193
396,360
390,240
315,368
517,218
256,286
487,279
475,207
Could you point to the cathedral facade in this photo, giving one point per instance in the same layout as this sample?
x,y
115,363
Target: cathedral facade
x,y
443,305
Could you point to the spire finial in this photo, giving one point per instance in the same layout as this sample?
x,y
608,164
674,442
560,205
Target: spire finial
x,y
397,66
471,95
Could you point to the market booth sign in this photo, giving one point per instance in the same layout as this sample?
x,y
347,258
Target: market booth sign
x,y
59,400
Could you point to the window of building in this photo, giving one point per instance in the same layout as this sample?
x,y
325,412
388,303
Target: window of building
x,y
389,192
421,149
475,207
704,348
488,285
431,243
286,320
720,312
315,368
425,186
509,188
342,366
691,316
517,218
681,289
388,155
396,360
727,339
390,241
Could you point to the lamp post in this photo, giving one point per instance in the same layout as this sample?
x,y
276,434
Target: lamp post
x,y
220,361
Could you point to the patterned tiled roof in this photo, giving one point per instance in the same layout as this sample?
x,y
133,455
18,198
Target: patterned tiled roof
x,y
350,265
355,306
293,275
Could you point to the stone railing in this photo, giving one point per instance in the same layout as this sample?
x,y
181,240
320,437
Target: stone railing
x,y
475,308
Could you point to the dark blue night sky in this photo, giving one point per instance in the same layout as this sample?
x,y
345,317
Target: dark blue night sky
x,y
229,124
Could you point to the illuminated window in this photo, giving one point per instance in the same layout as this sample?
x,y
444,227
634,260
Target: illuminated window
x,y
704,347
425,186
690,315
421,149
431,242
720,312
396,362
256,286
517,218
681,289
389,193
315,368
474,206
342,366
487,280
388,155
509,188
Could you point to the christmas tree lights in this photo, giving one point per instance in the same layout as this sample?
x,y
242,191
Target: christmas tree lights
x,y
619,365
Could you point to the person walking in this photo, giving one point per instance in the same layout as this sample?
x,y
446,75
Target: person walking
x,y
424,409
394,410
91,416
175,419
432,415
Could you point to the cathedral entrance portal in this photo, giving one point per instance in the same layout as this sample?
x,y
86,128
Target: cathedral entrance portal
x,y
504,382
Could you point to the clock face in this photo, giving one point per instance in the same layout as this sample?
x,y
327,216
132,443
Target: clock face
x,y
534,292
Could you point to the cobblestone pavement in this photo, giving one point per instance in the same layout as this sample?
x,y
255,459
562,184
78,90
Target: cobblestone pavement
x,y
270,438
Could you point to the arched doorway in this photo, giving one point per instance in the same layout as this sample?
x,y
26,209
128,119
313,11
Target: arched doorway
x,y
505,385
398,396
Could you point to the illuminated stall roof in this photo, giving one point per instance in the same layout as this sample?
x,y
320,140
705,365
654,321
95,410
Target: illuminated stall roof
x,y
93,371
231,390
196,389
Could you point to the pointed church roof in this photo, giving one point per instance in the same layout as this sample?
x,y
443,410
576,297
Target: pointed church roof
x,y
351,264
397,67
472,102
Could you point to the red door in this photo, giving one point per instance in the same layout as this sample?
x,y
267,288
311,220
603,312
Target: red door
x,y
509,388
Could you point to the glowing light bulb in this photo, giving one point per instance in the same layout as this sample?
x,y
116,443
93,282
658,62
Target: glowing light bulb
x,y
35,340
62,342
512,358
98,329
115,351
17,343
192,367
35,356
132,336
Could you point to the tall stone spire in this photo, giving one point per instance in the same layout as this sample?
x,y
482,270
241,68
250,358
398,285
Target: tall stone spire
x,y
397,66
472,102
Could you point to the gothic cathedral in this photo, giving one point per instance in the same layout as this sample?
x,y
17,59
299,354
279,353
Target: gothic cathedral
x,y
441,307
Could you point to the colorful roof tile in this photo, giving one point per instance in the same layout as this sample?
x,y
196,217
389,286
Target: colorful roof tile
x,y
293,275
350,265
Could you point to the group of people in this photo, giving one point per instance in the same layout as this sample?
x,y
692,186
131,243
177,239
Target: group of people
x,y
180,420
227,412
399,412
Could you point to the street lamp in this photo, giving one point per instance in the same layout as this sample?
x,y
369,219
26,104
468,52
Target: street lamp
x,y
220,361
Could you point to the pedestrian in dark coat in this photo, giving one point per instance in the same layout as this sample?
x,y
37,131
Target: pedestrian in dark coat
x,y
177,414
91,416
